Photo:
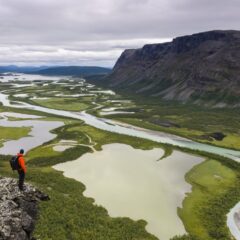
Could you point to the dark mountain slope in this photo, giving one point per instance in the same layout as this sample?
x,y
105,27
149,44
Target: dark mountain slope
x,y
203,66
74,71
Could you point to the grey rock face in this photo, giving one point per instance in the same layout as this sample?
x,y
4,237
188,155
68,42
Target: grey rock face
x,y
18,210
203,66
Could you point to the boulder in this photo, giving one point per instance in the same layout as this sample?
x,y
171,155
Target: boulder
x,y
18,209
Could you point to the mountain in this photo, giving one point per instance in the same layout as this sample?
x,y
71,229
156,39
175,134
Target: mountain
x,y
74,70
57,70
200,67
13,68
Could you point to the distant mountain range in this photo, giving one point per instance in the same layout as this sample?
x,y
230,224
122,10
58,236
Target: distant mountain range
x,y
61,70
200,67
74,70
203,67
13,68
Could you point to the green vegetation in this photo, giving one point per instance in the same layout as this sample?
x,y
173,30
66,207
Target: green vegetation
x,y
63,104
103,137
190,121
67,155
211,181
13,133
70,215
230,141
17,119
43,151
82,133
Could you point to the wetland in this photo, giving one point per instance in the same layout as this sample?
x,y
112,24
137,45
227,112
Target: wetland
x,y
125,175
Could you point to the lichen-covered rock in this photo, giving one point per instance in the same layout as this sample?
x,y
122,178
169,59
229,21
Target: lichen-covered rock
x,y
18,209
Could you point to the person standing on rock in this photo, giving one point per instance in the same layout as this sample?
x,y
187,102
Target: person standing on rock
x,y
21,170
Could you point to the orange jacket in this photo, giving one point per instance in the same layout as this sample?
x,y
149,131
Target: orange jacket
x,y
21,162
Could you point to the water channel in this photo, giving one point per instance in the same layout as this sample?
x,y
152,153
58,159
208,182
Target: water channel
x,y
133,161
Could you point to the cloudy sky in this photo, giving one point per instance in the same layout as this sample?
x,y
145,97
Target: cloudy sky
x,y
95,32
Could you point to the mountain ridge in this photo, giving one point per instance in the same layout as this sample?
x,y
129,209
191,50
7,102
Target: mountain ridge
x,y
57,70
74,70
18,69
203,67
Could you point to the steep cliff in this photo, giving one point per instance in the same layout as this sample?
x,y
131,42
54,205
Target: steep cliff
x,y
18,210
199,67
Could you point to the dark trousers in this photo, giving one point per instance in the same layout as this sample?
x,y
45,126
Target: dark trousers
x,y
21,175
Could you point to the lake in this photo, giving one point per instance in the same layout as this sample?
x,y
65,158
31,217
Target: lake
x,y
135,183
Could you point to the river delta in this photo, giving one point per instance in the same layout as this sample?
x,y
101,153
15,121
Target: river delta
x,y
155,179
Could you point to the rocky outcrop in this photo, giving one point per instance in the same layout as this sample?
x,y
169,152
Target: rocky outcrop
x,y
199,67
18,210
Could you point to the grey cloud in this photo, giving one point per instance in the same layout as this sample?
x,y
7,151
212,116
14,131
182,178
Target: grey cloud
x,y
43,29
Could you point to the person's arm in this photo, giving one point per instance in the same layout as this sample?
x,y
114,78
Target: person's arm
x,y
22,164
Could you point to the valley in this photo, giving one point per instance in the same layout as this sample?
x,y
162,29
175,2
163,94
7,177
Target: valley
x,y
92,125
